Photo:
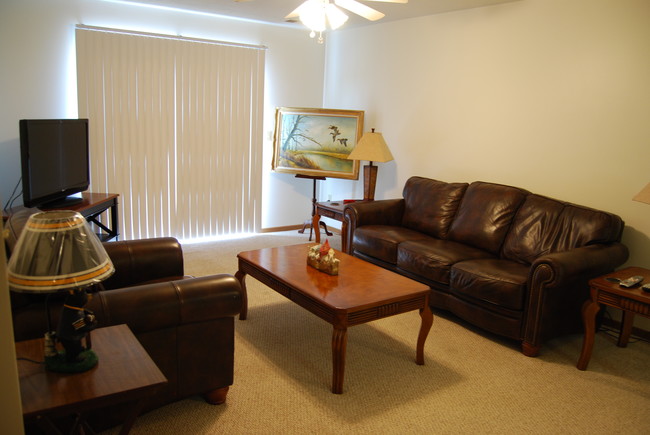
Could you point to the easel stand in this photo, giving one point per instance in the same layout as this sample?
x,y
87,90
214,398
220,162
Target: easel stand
x,y
308,223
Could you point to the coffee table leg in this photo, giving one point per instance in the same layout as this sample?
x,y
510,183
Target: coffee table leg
x,y
425,327
241,277
339,343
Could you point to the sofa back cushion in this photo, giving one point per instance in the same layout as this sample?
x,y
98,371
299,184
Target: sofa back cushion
x,y
485,214
544,225
430,205
582,226
534,229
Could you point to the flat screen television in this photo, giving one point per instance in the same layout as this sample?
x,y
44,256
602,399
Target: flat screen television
x,y
54,161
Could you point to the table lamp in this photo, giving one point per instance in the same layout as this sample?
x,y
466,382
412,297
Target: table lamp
x,y
371,147
57,252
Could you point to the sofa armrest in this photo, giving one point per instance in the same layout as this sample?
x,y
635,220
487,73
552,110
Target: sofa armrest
x,y
558,287
144,261
170,304
382,212
556,269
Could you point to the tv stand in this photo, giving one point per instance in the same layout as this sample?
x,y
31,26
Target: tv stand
x,y
92,206
58,204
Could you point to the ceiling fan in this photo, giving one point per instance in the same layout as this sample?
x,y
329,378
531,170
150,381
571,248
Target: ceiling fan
x,y
351,5
315,14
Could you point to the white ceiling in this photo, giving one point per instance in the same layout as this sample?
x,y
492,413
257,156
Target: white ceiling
x,y
274,11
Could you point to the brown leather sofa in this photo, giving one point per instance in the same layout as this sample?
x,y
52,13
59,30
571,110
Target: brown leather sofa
x,y
504,259
185,324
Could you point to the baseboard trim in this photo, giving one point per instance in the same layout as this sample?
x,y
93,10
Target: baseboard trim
x,y
294,227
279,229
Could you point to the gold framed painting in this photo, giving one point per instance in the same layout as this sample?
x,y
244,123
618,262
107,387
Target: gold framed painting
x,y
317,142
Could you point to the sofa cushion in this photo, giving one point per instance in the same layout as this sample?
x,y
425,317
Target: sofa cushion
x,y
582,226
381,241
545,225
432,258
430,205
492,281
485,214
534,229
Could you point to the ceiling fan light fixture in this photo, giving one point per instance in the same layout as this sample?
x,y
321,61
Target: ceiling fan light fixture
x,y
335,16
312,14
316,14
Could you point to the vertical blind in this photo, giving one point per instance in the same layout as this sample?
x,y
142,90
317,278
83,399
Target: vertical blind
x,y
175,129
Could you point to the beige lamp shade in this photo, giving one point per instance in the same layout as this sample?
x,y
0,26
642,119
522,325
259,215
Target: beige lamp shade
x,y
371,147
56,251
644,195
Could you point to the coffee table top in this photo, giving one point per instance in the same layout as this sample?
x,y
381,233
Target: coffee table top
x,y
359,285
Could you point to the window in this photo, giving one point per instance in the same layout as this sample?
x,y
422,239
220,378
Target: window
x,y
175,129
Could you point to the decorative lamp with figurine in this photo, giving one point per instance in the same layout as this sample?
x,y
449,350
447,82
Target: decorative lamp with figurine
x,y
58,252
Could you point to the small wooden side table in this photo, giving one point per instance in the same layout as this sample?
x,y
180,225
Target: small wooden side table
x,y
125,373
333,210
632,301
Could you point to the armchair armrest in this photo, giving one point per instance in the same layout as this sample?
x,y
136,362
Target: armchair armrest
x,y
158,306
144,261
382,212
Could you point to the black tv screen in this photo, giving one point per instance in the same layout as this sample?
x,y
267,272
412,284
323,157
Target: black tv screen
x,y
54,158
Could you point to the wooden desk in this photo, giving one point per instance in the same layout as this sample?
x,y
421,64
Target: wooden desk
x,y
333,210
125,372
632,301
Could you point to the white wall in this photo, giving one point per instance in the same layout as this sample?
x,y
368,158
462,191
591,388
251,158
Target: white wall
x,y
549,95
11,413
38,77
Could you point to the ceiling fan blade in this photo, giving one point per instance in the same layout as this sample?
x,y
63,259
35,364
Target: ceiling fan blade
x,y
360,9
296,12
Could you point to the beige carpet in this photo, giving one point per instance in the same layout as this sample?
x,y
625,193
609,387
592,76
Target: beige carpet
x,y
471,382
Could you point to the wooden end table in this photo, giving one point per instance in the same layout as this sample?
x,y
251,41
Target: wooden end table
x,y
632,301
362,292
125,373
333,210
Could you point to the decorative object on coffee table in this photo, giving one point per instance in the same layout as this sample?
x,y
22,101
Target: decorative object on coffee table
x,y
58,252
371,147
322,258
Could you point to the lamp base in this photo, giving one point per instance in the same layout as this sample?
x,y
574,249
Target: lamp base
x,y
369,182
57,363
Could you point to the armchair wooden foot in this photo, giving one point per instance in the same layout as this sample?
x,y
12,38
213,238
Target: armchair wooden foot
x,y
529,349
216,397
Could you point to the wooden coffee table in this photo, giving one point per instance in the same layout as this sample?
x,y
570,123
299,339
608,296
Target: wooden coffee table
x,y
362,292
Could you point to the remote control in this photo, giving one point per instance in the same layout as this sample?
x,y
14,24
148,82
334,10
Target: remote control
x,y
631,281
646,288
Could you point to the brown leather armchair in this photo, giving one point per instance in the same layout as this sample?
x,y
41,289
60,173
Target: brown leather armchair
x,y
185,324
